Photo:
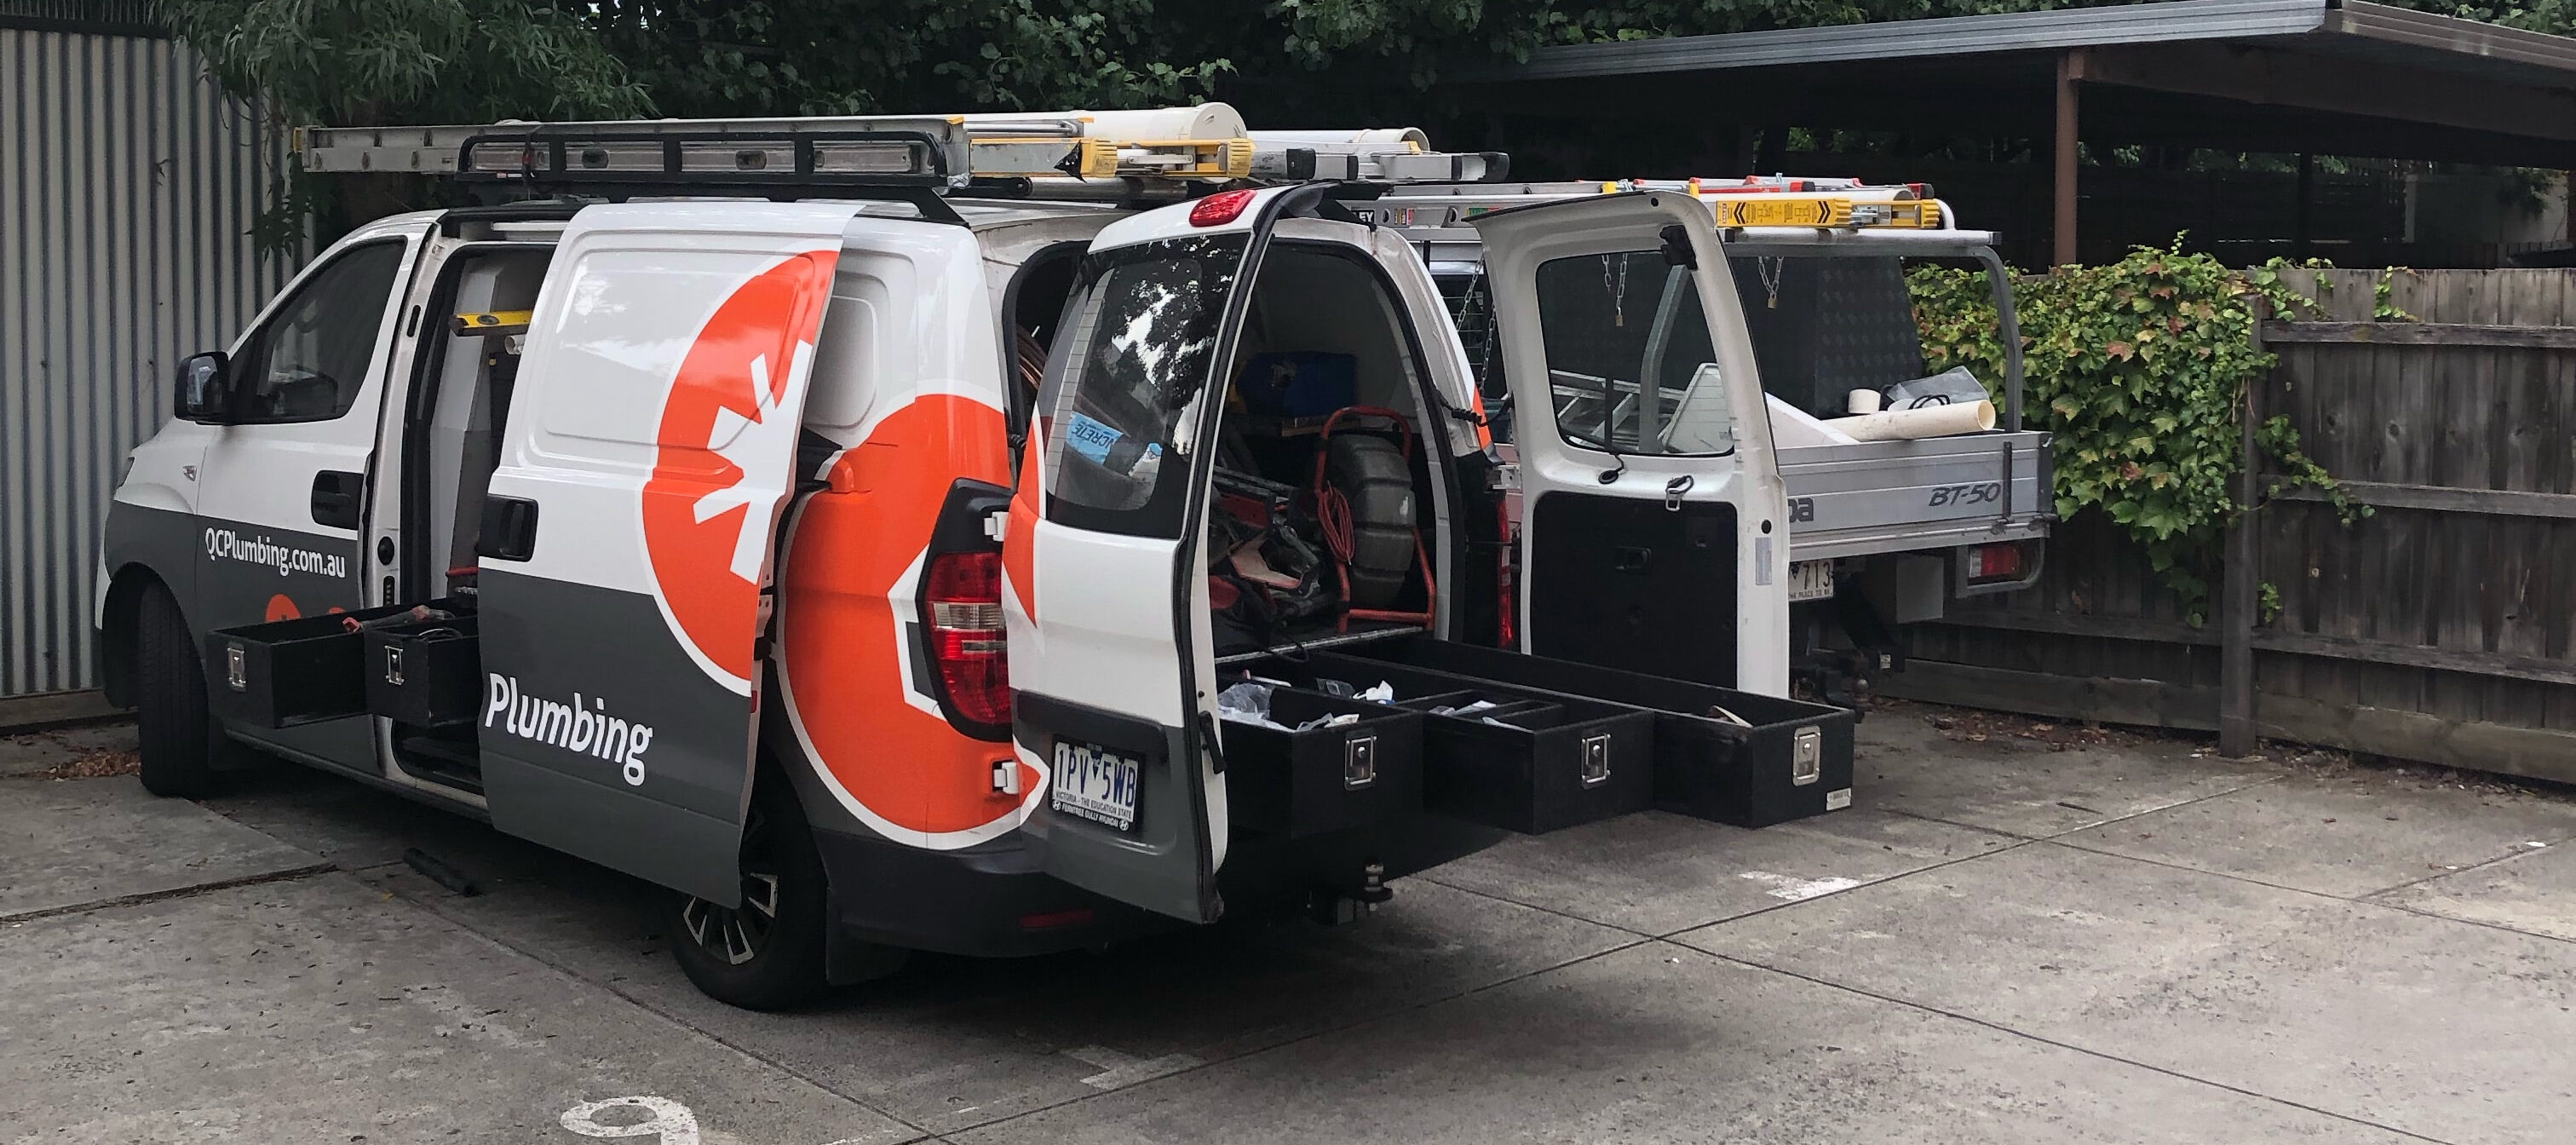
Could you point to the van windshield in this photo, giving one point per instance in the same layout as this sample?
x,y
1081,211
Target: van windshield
x,y
1137,347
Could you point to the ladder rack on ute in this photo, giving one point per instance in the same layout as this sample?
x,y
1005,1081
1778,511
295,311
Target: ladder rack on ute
x,y
1072,154
1755,201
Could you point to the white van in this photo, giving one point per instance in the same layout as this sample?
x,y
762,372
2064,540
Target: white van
x,y
887,568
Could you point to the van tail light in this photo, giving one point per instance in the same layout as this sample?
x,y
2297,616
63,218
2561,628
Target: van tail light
x,y
963,600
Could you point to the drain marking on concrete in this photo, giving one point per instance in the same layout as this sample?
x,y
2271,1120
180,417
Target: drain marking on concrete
x,y
670,1120
1795,889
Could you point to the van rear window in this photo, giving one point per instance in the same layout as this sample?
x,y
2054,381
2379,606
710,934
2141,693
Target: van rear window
x,y
1138,347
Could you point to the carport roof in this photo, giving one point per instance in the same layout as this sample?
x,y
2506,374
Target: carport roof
x,y
2265,75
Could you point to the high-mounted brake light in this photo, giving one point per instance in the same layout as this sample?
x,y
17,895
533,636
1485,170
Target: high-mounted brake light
x,y
1219,209
964,595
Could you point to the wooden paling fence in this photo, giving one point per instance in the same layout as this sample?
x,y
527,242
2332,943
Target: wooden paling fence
x,y
2441,629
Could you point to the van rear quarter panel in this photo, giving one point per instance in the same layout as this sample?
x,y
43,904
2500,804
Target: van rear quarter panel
x,y
907,387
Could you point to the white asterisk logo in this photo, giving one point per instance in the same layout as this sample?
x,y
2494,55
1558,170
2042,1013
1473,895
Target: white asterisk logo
x,y
752,444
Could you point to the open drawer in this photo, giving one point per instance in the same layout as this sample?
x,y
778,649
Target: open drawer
x,y
1508,757
1294,783
289,672
426,673
1787,759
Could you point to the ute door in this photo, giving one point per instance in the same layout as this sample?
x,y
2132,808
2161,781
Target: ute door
x,y
627,540
1106,602
1655,534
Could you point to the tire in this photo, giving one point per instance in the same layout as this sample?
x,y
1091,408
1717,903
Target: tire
x,y
1371,474
766,954
181,741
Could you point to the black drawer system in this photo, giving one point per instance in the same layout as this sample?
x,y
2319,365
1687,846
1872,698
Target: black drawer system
x,y
1523,761
1786,760
1298,783
426,673
290,672
314,668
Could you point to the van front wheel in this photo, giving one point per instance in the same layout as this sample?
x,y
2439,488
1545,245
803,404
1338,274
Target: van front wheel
x,y
180,739
767,952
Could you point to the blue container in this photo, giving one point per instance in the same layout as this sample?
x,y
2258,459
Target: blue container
x,y
1300,383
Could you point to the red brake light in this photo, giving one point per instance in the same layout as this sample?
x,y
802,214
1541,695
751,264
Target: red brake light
x,y
1219,209
1994,561
964,600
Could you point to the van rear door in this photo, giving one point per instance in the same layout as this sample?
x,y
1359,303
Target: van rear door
x,y
1106,596
627,540
1656,535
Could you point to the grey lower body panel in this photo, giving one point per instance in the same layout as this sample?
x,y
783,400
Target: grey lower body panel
x,y
602,738
650,840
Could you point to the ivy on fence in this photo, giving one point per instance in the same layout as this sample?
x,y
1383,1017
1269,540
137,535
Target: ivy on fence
x,y
2140,370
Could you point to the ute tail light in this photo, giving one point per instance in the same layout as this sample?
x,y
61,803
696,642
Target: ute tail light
x,y
963,600
1986,562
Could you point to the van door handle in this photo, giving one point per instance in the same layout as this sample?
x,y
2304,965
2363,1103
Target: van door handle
x,y
509,531
335,498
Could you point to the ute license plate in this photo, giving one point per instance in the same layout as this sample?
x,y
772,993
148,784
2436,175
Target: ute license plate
x,y
1811,580
1094,783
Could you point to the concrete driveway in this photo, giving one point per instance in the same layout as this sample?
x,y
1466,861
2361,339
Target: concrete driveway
x,y
2019,933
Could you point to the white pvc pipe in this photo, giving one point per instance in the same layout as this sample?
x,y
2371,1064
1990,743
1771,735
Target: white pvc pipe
x,y
1393,136
1925,421
1205,121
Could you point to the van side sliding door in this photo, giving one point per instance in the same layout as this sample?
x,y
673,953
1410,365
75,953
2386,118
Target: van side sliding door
x,y
627,541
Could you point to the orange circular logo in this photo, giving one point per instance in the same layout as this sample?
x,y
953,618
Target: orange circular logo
x,y
726,448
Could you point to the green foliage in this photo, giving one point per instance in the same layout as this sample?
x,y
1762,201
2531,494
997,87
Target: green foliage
x,y
844,57
2140,370
365,62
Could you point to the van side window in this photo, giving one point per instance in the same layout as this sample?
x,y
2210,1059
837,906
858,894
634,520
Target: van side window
x,y
309,362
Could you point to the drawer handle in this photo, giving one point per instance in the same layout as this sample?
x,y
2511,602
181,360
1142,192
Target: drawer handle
x,y
1596,760
1359,762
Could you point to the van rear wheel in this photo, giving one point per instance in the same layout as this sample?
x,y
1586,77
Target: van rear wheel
x,y
180,738
767,953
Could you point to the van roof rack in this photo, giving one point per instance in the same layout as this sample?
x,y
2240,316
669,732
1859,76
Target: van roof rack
x,y
1071,154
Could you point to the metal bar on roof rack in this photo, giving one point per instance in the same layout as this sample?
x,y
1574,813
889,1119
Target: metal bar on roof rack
x,y
944,152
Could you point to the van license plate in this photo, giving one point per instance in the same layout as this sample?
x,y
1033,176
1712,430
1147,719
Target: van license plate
x,y
1810,580
1094,783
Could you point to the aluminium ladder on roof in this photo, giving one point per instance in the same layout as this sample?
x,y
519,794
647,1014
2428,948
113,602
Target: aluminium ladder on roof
x,y
934,153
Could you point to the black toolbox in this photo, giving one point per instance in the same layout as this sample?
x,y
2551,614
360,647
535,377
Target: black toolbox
x,y
1298,783
289,672
426,673
1789,759
1531,763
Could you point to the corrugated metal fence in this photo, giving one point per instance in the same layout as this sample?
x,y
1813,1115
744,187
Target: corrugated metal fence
x,y
128,187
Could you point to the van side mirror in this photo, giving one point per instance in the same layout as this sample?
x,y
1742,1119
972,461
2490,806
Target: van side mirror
x,y
205,390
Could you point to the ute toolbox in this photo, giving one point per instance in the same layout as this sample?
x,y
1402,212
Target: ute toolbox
x,y
289,672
